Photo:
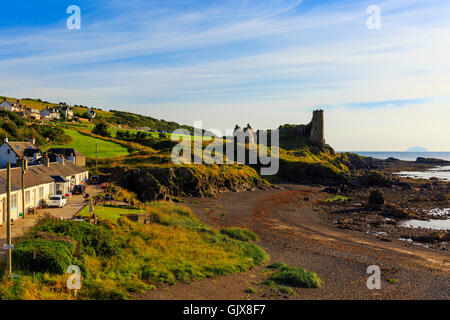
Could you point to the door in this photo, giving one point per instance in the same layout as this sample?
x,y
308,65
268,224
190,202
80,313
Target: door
x,y
34,199
2,208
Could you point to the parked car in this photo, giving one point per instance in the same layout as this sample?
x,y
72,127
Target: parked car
x,y
57,200
95,180
79,189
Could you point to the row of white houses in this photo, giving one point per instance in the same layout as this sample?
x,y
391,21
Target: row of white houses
x,y
40,182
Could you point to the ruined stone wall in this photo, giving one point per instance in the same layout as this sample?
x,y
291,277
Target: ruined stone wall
x,y
317,133
314,131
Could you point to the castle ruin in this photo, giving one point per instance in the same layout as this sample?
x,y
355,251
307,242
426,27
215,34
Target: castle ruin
x,y
314,131
317,128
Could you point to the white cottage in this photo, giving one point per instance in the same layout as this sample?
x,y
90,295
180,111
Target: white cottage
x,y
40,182
11,151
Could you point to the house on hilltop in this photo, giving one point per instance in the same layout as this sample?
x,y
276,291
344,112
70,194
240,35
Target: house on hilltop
x,y
67,111
6,105
12,151
13,106
91,113
32,113
50,114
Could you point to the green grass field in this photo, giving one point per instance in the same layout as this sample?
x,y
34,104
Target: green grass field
x,y
108,213
86,145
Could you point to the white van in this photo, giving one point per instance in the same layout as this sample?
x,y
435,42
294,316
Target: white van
x,y
57,200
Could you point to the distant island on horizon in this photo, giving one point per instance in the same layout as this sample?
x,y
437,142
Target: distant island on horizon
x,y
417,149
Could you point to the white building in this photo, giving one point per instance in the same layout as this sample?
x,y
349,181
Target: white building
x,y
68,112
32,113
6,105
50,114
40,182
12,151
13,106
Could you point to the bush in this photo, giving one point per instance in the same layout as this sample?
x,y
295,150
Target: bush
x,y
254,252
153,275
250,290
92,239
336,199
240,234
53,256
277,266
104,289
101,129
296,277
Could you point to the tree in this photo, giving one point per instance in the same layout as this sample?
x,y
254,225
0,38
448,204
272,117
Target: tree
x,y
101,129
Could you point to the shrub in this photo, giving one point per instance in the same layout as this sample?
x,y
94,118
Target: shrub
x,y
53,256
296,277
277,266
92,239
101,129
153,275
240,234
254,252
104,289
393,280
250,290
336,199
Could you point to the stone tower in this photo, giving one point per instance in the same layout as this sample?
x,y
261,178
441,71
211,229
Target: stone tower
x,y
317,128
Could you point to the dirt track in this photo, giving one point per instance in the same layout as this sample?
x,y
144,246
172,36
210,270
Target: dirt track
x,y
290,231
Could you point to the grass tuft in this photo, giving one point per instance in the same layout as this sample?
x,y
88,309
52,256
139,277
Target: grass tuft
x,y
292,276
240,234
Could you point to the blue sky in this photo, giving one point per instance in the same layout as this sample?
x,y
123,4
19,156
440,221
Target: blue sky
x,y
266,62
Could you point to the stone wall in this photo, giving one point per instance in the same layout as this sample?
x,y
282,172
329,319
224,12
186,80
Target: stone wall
x,y
316,134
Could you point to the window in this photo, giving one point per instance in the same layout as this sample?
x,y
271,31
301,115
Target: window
x,y
14,201
27,197
41,192
9,151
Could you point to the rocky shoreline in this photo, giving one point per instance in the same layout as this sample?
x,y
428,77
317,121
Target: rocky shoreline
x,y
401,200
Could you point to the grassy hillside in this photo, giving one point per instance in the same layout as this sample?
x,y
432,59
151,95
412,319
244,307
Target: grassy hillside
x,y
86,145
17,129
118,257
125,119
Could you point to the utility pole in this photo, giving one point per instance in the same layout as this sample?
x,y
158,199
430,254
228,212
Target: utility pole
x,y
8,217
96,155
23,187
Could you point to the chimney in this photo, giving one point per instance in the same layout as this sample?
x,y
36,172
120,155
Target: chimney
x,y
5,139
46,160
33,141
60,158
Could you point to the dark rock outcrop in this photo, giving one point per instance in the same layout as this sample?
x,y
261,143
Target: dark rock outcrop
x,y
166,183
376,200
